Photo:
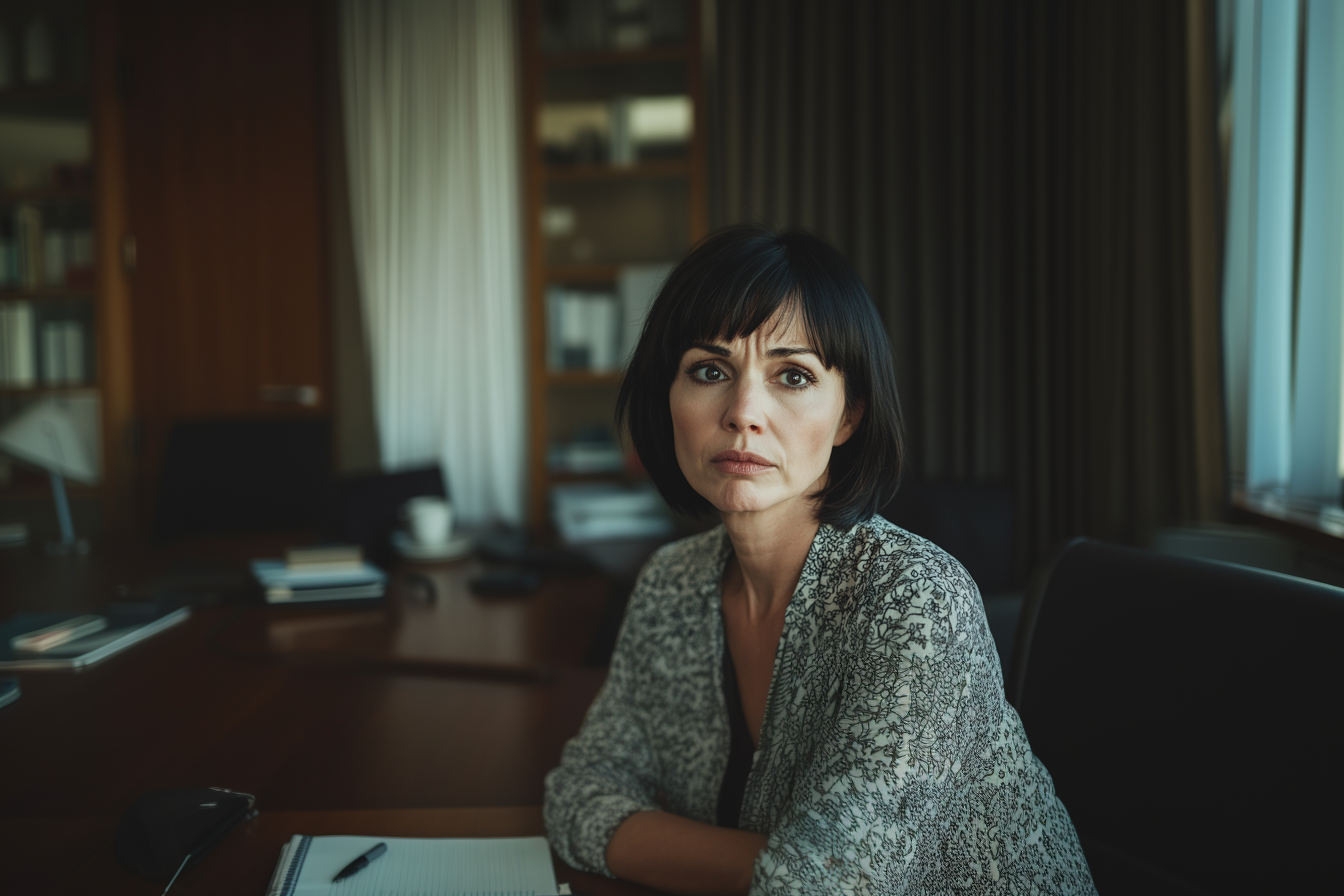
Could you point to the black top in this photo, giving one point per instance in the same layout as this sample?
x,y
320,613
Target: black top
x,y
740,748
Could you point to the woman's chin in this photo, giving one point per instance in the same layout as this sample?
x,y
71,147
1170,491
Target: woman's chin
x,y
743,497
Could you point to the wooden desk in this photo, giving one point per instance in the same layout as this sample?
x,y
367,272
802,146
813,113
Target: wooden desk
x,y
307,709
242,863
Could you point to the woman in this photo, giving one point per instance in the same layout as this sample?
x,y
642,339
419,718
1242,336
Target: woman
x,y
805,699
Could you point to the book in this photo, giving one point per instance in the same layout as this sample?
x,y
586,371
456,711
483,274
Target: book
x,y
21,366
497,866
285,585
325,559
126,625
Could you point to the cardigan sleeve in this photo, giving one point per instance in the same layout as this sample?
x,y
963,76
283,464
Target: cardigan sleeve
x,y
606,771
917,783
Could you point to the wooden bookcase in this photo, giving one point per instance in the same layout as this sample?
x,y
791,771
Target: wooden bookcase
x,y
82,201
618,202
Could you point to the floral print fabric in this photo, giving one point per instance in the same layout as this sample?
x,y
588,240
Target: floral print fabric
x,y
889,759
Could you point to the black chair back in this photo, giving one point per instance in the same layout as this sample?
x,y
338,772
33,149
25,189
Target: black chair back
x,y
244,476
368,508
973,521
1190,715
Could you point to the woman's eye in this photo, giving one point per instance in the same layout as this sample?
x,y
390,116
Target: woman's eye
x,y
796,379
708,374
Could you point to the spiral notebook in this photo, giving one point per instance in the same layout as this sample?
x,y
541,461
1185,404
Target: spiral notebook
x,y
497,866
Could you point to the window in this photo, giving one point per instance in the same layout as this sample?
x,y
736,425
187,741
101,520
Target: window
x,y
1283,299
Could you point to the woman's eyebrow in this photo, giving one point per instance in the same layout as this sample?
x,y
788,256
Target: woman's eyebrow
x,y
785,351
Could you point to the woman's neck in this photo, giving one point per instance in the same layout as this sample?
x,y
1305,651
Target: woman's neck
x,y
769,549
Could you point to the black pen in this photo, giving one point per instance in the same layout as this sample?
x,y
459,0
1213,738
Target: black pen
x,y
359,863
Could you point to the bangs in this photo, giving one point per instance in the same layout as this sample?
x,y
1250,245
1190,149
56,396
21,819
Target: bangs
x,y
753,293
732,284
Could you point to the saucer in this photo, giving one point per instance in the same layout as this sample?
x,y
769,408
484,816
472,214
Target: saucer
x,y
452,549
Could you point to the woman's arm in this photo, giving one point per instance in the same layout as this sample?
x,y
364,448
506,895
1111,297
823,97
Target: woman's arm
x,y
681,856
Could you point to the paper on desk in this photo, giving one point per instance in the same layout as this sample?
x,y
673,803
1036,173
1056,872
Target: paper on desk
x,y
502,866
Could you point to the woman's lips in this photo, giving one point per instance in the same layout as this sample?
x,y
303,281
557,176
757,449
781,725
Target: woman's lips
x,y
740,463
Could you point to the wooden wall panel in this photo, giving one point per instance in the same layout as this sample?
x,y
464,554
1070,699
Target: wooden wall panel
x,y
226,201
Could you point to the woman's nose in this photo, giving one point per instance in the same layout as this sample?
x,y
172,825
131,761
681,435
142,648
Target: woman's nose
x,y
746,411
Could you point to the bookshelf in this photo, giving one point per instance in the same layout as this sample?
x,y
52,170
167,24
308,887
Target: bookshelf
x,y
613,148
64,330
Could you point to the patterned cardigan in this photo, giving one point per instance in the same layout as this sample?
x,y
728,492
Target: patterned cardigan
x,y
889,760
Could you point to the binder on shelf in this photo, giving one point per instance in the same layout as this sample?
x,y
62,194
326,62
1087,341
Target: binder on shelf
x,y
584,330
18,364
62,353
28,235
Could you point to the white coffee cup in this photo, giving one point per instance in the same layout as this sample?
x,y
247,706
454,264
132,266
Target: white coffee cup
x,y
430,520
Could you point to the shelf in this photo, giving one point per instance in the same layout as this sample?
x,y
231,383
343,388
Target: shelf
x,y
45,294
615,57
47,194
572,173
584,377
48,390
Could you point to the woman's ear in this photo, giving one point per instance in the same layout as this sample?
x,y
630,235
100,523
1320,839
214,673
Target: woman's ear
x,y
853,416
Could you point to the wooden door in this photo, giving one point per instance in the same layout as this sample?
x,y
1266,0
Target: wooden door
x,y
231,313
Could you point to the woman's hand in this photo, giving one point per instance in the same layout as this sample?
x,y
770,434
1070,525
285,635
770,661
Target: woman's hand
x,y
678,855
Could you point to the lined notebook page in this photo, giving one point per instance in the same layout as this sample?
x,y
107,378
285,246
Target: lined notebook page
x,y
503,866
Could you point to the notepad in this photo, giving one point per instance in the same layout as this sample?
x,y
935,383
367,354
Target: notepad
x,y
498,866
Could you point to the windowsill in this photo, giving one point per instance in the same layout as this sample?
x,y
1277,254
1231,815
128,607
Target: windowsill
x,y
1321,526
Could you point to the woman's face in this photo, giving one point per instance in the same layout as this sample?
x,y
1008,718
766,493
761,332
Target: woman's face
x,y
755,420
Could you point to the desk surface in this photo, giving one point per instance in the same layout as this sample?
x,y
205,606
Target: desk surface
x,y
308,709
242,863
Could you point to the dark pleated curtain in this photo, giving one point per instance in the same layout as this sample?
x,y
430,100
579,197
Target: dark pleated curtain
x,y
1029,189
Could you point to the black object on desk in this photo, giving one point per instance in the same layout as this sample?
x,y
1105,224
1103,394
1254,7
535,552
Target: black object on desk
x,y
361,863
165,831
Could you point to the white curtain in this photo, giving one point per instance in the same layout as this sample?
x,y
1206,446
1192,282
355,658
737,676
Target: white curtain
x,y
429,102
1284,278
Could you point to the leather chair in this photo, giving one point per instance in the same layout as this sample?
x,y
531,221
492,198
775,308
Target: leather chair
x,y
237,476
1190,713
975,522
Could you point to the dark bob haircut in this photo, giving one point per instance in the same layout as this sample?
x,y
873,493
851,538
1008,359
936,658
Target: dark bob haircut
x,y
726,288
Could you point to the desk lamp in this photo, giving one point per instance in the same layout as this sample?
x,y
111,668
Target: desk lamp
x,y
47,435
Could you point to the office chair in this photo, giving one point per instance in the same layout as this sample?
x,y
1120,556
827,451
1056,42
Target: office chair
x,y
976,523
1189,713
244,476
368,508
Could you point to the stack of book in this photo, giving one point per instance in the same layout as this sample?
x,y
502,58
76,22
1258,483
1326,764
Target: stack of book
x,y
322,573
603,511
597,330
585,328
60,356
590,451
46,247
